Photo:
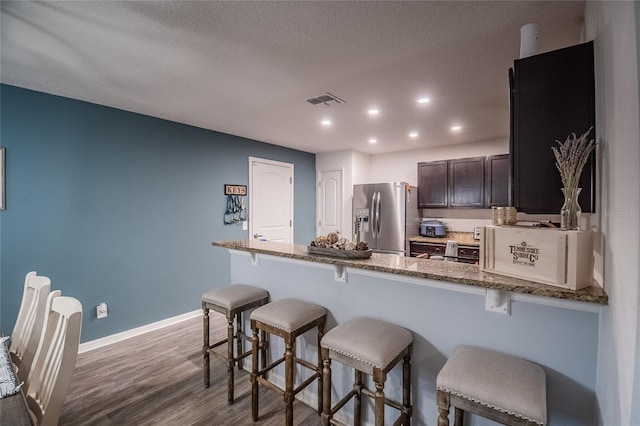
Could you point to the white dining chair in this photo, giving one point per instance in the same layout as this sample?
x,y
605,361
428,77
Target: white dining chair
x,y
26,333
55,359
30,351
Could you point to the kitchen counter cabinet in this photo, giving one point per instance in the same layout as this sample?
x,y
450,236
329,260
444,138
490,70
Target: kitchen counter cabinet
x,y
432,249
466,254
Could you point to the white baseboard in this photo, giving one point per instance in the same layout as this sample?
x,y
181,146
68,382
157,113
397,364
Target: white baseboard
x,y
119,337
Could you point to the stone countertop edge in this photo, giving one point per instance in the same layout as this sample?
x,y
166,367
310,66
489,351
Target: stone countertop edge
x,y
454,272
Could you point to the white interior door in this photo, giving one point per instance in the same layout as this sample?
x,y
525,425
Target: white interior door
x,y
329,201
270,200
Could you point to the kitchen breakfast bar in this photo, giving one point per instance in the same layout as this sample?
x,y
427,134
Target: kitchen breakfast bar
x,y
444,305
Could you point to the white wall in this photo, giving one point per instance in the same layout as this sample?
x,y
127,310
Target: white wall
x,y
613,27
355,170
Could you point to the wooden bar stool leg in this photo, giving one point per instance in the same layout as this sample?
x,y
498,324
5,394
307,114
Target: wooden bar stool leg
x,y
326,398
239,343
264,341
357,403
379,399
320,384
230,362
406,387
205,346
458,417
443,408
254,372
289,370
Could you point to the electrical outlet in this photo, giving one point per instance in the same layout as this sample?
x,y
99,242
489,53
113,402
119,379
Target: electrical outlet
x,y
101,310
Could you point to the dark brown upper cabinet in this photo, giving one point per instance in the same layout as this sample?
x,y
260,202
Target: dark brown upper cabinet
x,y
498,182
432,184
466,182
552,96
475,182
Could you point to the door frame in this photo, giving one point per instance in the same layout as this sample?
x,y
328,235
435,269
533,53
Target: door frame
x,y
251,204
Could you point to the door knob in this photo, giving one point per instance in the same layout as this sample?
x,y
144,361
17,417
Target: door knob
x,y
256,235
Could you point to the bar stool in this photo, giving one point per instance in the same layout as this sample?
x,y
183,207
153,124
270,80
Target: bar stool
x,y
372,347
231,301
494,385
286,318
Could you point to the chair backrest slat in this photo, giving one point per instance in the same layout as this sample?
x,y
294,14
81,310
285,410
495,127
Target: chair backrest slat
x,y
52,367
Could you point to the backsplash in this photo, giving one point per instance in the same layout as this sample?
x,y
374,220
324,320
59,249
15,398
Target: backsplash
x,y
463,225
467,224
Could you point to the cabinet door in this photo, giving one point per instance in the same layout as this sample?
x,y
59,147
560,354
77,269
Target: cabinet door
x,y
498,180
468,254
553,96
466,182
433,249
432,184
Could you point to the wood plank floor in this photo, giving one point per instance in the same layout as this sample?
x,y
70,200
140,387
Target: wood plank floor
x,y
156,379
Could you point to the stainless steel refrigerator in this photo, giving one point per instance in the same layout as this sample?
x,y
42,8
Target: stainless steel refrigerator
x,y
385,215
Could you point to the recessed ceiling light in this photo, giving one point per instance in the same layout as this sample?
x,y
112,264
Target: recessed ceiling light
x,y
373,111
413,135
423,100
456,128
326,122
373,140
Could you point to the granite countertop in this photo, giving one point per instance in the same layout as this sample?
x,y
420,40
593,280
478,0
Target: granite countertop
x,y
462,238
453,272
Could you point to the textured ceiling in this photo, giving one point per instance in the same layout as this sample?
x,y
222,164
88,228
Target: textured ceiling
x,y
247,68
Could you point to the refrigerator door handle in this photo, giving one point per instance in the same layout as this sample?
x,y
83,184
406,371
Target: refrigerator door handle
x,y
373,215
378,215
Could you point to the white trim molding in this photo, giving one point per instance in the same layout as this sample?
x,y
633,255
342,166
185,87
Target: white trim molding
x,y
138,331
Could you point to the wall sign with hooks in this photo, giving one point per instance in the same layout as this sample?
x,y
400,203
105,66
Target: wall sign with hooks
x,y
235,189
236,209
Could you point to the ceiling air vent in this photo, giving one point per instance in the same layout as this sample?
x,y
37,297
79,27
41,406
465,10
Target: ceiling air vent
x,y
325,99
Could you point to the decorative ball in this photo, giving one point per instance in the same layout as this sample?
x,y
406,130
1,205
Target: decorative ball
x,y
321,241
362,246
332,237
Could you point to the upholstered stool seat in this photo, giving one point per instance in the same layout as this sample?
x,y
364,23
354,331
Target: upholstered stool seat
x,y
288,319
372,347
231,301
494,385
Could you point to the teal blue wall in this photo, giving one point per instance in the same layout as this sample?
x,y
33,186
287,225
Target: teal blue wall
x,y
122,208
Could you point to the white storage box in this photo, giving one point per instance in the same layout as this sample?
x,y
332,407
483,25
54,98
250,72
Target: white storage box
x,y
545,255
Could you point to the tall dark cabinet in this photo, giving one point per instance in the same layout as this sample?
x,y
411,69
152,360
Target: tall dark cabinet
x,y
552,95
